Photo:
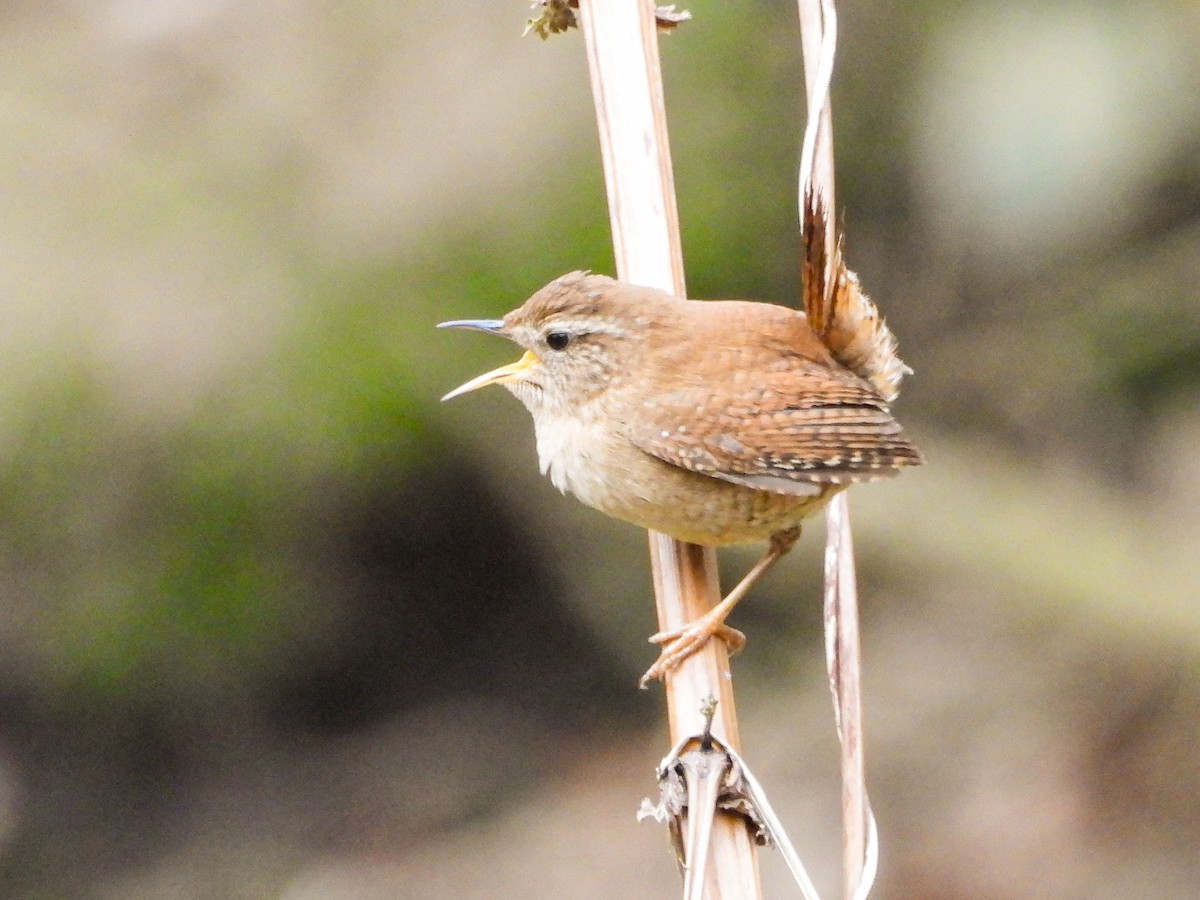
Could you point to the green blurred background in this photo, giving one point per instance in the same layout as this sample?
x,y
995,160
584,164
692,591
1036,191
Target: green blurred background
x,y
273,623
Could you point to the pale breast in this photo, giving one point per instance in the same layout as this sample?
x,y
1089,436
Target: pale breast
x,y
570,450
604,470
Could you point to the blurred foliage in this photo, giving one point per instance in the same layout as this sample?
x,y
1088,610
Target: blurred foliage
x,y
735,179
162,553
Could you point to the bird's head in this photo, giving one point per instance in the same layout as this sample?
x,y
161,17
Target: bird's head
x,y
581,333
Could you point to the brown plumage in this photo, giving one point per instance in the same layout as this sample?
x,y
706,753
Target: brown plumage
x,y
715,422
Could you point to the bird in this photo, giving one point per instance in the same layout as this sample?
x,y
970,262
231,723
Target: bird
x,y
715,422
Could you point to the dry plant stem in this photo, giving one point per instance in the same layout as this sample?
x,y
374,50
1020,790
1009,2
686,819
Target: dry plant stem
x,y
841,630
622,49
818,35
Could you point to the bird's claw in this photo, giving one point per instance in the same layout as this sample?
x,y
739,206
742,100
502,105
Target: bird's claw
x,y
680,643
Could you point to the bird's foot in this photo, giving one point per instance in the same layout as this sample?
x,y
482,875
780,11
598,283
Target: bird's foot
x,y
679,644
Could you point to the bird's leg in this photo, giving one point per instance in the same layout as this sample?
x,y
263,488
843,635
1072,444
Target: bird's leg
x,y
681,643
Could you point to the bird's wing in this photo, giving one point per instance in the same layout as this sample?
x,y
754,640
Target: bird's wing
x,y
787,432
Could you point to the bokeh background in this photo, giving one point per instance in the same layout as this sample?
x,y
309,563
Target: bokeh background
x,y
274,623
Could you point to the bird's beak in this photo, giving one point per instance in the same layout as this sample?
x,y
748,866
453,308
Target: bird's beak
x,y
495,326
511,372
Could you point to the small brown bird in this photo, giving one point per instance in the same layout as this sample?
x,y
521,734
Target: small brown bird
x,y
715,422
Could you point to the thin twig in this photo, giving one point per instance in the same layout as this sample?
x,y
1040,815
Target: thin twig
x,y
859,845
818,36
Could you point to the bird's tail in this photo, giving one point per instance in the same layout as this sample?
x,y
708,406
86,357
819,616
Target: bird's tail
x,y
841,314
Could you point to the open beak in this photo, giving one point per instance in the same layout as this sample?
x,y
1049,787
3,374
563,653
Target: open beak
x,y
511,372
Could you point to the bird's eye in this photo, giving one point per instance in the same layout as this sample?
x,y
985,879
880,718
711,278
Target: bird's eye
x,y
558,340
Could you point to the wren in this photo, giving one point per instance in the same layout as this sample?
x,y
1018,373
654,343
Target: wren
x,y
713,421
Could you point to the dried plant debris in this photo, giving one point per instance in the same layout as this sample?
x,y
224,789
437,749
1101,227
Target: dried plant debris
x,y
668,18
556,16
680,786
